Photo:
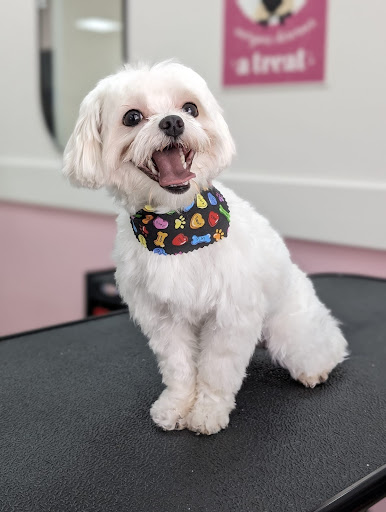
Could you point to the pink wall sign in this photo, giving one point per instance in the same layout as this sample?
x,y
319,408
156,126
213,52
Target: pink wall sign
x,y
274,41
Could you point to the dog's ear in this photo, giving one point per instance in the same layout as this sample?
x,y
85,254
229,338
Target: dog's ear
x,y
83,153
226,146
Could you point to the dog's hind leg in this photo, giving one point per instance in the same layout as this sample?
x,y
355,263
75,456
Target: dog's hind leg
x,y
301,334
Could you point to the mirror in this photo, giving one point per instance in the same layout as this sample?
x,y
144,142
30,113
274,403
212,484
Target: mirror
x,y
80,42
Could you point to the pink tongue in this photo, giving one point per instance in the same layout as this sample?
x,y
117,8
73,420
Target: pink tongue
x,y
171,170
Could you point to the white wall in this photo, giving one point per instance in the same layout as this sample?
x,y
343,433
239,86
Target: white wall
x,y
310,157
82,57
332,131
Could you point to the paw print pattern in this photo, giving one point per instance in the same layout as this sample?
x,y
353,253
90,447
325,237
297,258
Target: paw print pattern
x,y
219,235
143,230
180,222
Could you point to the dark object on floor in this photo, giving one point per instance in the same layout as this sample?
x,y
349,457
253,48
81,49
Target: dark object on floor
x,y
102,295
75,430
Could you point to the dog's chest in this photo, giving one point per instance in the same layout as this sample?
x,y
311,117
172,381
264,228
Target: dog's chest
x,y
191,282
233,275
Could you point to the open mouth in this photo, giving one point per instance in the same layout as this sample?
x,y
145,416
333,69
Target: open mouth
x,y
171,168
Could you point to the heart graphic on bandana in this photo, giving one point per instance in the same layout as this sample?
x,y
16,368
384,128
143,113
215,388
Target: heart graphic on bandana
x,y
160,223
197,221
213,218
180,239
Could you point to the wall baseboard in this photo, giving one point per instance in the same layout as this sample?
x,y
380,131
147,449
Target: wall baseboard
x,y
40,182
332,211
342,212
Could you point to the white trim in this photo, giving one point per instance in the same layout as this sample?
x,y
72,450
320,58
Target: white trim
x,y
335,211
40,182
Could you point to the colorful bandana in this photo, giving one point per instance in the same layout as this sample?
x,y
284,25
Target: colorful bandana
x,y
204,222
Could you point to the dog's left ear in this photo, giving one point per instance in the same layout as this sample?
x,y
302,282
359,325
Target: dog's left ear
x,y
83,153
226,146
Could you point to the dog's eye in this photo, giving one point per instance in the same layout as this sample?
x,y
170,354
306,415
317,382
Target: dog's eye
x,y
191,109
132,118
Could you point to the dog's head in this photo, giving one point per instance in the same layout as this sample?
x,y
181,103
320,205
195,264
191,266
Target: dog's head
x,y
151,135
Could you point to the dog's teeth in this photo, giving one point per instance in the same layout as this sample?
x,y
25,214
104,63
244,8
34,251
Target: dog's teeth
x,y
185,183
182,156
150,166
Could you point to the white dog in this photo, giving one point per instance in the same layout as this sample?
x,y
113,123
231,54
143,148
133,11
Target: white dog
x,y
203,294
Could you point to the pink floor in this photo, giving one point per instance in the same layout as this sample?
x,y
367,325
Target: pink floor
x,y
379,507
45,254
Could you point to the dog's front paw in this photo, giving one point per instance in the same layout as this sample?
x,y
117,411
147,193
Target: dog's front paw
x,y
313,380
169,411
208,416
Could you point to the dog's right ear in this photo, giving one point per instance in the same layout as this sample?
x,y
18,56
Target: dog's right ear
x,y
83,153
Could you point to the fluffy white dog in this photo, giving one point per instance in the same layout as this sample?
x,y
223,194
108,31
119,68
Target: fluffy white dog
x,y
203,274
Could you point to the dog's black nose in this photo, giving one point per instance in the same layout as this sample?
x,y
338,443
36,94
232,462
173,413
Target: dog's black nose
x,y
172,125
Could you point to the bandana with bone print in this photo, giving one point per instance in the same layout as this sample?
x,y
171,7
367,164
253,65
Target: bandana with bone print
x,y
205,221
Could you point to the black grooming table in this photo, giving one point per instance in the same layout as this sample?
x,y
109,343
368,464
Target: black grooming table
x,y
76,435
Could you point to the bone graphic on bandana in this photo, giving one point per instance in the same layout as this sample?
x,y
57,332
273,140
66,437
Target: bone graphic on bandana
x,y
200,239
201,203
224,212
158,250
147,219
160,239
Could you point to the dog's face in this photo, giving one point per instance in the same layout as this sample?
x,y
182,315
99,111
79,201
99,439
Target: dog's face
x,y
150,135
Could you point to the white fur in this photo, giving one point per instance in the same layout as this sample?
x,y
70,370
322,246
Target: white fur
x,y
203,311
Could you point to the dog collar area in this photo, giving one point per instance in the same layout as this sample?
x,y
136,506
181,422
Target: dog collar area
x,y
204,222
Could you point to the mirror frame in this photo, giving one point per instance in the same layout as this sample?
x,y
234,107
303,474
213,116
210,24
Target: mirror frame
x,y
45,91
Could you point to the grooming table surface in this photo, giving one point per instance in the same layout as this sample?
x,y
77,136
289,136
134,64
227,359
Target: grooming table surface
x,y
76,435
